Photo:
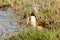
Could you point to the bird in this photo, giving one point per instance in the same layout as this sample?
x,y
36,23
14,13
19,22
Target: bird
x,y
31,20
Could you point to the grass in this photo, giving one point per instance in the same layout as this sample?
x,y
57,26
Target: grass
x,y
49,13
36,34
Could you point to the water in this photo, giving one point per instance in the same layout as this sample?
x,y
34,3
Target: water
x,y
6,18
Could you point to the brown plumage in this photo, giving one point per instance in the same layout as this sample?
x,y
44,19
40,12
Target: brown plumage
x,y
41,24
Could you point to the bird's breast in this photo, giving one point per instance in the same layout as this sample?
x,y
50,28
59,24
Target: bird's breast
x,y
33,20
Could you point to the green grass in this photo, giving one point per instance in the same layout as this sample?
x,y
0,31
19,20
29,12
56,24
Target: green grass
x,y
36,34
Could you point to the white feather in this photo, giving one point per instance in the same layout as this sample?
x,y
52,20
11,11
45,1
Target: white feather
x,y
33,21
